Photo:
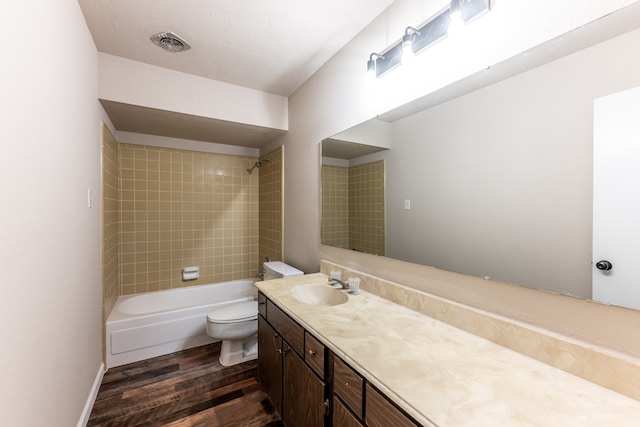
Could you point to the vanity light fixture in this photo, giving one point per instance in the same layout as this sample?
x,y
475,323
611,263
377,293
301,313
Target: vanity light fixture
x,y
456,23
371,64
410,34
418,39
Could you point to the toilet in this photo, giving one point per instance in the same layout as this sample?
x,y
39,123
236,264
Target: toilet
x,y
236,324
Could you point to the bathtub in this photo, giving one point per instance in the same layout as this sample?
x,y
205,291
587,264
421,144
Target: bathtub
x,y
148,325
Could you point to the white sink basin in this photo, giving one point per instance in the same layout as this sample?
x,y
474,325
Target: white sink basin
x,y
318,294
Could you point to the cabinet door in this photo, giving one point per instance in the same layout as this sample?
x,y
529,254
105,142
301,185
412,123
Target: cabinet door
x,y
342,417
381,412
270,362
303,394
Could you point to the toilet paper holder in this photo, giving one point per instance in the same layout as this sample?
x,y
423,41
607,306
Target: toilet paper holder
x,y
190,273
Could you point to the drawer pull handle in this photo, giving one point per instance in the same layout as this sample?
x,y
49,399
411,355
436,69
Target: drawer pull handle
x,y
312,353
346,383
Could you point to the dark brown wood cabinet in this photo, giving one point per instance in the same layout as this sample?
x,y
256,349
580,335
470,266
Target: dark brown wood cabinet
x,y
348,385
342,417
290,331
314,354
270,362
296,387
303,403
382,413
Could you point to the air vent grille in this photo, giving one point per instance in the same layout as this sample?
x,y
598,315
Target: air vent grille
x,y
170,41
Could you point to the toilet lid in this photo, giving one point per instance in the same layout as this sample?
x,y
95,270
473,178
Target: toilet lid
x,y
237,311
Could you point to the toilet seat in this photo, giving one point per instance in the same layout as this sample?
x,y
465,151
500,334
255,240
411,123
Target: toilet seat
x,y
236,312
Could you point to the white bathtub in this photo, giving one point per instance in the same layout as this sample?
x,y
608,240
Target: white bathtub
x,y
156,323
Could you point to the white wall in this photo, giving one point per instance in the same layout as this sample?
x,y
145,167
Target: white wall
x,y
49,239
376,133
136,83
337,97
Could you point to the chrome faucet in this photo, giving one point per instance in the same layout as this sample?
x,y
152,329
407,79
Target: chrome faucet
x,y
336,281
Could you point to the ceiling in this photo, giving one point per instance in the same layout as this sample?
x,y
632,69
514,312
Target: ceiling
x,y
268,45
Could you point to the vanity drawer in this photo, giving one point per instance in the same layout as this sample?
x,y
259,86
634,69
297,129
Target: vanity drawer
x,y
382,413
314,354
348,385
288,329
262,304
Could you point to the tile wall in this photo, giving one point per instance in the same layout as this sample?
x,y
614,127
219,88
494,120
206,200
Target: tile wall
x,y
366,208
183,208
270,207
110,219
335,206
353,203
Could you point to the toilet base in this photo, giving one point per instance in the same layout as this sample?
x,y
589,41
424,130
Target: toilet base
x,y
233,352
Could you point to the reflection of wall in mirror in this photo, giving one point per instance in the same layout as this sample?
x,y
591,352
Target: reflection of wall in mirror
x,y
353,207
335,206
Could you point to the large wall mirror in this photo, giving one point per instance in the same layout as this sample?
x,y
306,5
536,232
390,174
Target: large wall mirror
x,y
492,176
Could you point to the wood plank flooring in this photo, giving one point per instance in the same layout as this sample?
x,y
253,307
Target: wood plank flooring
x,y
185,389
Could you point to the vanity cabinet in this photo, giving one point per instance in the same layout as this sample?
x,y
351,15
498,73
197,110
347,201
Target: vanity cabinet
x,y
270,362
309,385
303,394
357,403
382,413
348,386
291,367
342,417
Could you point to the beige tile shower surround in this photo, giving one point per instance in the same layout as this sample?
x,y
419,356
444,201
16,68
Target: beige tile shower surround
x,y
110,222
353,207
181,208
366,207
270,209
442,375
165,209
591,347
335,206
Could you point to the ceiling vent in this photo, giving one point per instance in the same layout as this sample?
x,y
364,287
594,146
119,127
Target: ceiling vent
x,y
170,41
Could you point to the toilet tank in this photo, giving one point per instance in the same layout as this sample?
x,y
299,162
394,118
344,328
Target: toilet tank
x,y
278,269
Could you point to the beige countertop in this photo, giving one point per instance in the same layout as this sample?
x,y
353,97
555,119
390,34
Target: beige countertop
x,y
444,376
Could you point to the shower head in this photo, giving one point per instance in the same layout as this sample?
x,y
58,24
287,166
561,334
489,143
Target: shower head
x,y
257,164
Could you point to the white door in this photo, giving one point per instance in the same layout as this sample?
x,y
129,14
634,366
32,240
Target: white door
x,y
616,199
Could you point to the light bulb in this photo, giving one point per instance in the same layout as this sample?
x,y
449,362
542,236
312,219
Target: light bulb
x,y
456,24
407,49
371,69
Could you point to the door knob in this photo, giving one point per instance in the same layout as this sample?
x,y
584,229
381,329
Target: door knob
x,y
604,265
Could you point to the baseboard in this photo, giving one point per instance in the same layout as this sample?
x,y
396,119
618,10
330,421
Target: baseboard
x,y
88,406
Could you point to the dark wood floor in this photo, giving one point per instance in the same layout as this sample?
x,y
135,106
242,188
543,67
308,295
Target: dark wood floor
x,y
185,389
